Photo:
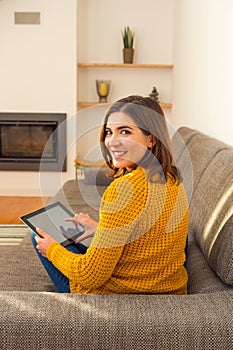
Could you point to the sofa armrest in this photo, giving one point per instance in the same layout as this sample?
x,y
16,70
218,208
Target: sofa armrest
x,y
71,321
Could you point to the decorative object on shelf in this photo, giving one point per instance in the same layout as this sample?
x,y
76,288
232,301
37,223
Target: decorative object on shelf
x,y
154,94
103,88
128,40
141,67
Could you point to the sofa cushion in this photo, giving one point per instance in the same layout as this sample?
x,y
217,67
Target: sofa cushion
x,y
201,277
221,256
21,270
180,141
198,147
211,213
97,176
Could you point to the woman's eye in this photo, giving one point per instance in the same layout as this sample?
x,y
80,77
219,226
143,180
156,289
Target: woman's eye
x,y
108,132
122,132
125,132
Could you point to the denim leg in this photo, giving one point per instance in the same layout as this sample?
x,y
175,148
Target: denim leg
x,y
60,281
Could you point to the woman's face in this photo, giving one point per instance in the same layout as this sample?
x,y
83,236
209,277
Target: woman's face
x,y
125,141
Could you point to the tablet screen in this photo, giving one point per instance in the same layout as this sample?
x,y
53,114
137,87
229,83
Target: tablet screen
x,y
51,219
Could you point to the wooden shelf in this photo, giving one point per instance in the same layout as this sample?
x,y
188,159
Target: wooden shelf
x,y
82,105
124,65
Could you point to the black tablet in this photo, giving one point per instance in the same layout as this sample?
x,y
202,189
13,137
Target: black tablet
x,y
51,219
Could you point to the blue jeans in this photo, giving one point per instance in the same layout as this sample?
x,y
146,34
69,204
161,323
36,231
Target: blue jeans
x,y
60,281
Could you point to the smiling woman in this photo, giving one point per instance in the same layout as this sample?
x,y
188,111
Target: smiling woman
x,y
125,141
139,241
146,115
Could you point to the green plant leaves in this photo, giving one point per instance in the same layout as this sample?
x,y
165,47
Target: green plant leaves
x,y
128,37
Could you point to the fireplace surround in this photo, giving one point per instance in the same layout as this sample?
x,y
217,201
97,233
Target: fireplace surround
x,y
33,141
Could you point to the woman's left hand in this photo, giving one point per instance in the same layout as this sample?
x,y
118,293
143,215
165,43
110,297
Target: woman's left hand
x,y
43,243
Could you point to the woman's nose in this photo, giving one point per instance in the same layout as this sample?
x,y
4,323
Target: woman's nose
x,y
113,140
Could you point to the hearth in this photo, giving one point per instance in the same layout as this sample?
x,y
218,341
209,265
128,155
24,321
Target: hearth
x,y
33,141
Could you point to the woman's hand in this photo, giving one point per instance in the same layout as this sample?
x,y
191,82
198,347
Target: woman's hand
x,y
43,243
86,234
84,220
89,224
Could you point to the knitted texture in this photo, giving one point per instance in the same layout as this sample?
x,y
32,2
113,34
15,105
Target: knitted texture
x,y
139,243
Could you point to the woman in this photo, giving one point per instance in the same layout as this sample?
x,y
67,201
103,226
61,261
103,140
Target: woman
x,y
139,242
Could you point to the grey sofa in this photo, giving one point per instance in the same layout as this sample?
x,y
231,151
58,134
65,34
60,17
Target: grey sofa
x,y
34,316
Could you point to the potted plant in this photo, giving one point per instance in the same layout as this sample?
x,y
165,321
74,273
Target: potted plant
x,y
128,41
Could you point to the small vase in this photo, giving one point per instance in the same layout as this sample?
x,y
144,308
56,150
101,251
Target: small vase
x,y
103,87
128,55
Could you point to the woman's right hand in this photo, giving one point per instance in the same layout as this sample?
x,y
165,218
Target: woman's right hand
x,y
84,220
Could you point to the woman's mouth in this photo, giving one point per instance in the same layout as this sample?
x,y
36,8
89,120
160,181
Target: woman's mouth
x,y
118,154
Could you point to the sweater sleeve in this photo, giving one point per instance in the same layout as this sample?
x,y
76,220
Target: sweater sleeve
x,y
90,270
118,216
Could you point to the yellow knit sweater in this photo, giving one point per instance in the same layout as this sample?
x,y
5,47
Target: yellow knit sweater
x,y
139,243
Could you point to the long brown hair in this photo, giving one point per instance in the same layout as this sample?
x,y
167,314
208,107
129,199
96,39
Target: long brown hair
x,y
149,117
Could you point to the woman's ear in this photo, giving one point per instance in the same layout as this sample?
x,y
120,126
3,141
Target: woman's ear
x,y
151,141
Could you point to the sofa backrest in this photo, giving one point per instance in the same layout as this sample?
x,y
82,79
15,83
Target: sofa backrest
x,y
211,201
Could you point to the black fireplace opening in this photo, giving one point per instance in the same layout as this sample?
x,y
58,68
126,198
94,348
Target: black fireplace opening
x,y
33,141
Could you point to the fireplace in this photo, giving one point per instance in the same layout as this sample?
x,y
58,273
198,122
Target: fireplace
x,y
33,141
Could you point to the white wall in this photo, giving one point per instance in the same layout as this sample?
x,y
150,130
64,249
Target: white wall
x,y
38,73
203,70
99,40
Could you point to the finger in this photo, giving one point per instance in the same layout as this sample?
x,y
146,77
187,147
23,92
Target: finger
x,y
41,232
85,235
69,219
84,215
81,238
81,215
